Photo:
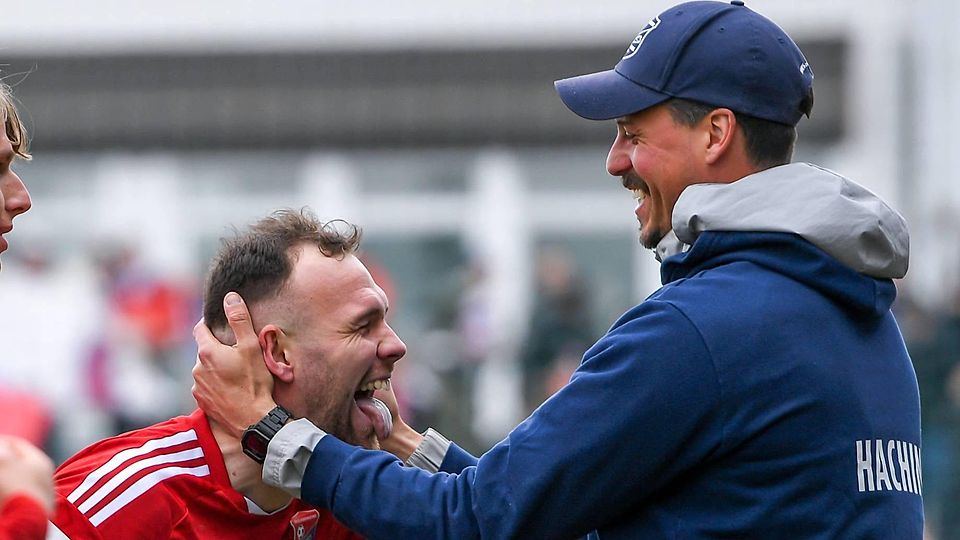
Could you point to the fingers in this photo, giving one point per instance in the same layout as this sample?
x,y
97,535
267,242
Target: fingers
x,y
25,469
382,421
197,395
206,343
389,399
33,455
6,449
25,451
231,383
238,317
201,333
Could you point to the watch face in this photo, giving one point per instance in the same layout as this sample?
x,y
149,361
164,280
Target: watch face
x,y
254,444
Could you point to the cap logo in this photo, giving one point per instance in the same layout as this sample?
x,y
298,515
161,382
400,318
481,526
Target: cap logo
x,y
638,41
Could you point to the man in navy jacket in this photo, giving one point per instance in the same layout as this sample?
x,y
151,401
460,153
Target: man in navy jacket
x,y
763,392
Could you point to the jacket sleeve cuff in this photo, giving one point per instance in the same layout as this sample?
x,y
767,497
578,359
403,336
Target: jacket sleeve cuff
x,y
429,454
288,454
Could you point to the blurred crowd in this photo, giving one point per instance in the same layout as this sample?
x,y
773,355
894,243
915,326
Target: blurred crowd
x,y
101,344
933,339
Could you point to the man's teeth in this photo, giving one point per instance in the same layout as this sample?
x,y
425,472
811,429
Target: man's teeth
x,y
638,194
376,385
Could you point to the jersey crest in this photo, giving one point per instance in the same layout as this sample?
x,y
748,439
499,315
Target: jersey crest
x,y
304,524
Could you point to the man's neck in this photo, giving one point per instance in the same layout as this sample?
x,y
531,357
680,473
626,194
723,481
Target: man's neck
x,y
245,474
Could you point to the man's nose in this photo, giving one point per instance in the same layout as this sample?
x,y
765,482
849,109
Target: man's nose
x,y
17,198
618,159
391,347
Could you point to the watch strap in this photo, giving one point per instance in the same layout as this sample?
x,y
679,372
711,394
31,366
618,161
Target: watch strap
x,y
274,420
257,437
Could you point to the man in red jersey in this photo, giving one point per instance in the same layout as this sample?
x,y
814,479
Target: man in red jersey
x,y
26,492
321,317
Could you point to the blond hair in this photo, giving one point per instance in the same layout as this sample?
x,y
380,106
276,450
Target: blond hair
x,y
16,132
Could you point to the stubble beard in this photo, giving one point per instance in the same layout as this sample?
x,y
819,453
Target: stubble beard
x,y
335,417
649,241
340,426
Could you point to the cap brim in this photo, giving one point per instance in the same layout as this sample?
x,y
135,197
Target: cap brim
x,y
606,95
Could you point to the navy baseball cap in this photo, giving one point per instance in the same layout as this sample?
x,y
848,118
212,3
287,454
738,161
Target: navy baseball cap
x,y
716,53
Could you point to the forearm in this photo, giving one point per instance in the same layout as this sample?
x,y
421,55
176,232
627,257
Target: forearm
x,y
456,459
410,503
291,449
351,481
402,442
570,467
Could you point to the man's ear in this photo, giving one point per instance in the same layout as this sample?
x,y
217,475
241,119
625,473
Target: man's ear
x,y
721,126
272,343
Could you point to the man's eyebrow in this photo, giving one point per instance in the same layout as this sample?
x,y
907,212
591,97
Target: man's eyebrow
x,y
386,301
625,123
369,311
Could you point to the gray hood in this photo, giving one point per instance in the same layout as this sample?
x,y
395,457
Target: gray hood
x,y
839,216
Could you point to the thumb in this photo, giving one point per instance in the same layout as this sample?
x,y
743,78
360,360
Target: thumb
x,y
238,317
234,307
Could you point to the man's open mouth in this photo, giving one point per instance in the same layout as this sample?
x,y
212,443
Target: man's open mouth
x,y
374,409
635,185
367,389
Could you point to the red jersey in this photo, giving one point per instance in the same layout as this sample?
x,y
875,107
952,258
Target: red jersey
x,y
22,518
168,480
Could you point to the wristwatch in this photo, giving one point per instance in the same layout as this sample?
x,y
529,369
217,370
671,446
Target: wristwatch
x,y
256,437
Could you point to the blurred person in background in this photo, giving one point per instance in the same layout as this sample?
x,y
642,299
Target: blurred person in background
x,y
26,413
322,319
948,514
933,339
26,491
763,392
560,326
135,370
476,342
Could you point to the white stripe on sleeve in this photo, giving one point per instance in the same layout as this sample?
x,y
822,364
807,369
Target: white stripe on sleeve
x,y
121,457
133,469
142,486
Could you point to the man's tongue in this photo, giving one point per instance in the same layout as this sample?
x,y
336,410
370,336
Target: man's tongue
x,y
379,416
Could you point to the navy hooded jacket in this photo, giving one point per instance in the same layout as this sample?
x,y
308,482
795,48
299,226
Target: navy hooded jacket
x,y
763,392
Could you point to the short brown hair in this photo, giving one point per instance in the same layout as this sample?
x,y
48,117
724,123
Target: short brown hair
x,y
16,132
768,143
257,263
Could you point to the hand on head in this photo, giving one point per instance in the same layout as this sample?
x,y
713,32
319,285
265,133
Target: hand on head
x,y
231,383
24,469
